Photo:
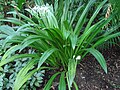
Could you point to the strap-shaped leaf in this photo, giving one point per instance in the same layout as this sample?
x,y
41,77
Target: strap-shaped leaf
x,y
82,17
7,30
23,75
14,21
6,40
75,85
7,60
10,51
112,29
73,40
102,40
99,58
20,3
52,20
95,14
29,40
71,72
49,83
45,55
62,84
76,12
3,36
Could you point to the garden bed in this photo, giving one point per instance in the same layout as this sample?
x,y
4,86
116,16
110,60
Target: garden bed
x,y
90,76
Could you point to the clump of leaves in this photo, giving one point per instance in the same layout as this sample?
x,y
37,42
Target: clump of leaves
x,y
57,40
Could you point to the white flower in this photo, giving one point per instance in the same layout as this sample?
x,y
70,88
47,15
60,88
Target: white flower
x,y
73,56
46,13
42,10
78,57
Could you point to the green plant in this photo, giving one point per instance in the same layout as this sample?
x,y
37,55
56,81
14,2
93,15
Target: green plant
x,y
113,8
57,40
9,73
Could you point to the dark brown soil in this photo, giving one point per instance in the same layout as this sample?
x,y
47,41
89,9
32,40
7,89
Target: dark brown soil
x,y
90,76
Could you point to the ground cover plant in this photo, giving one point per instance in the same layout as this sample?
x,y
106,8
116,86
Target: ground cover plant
x,y
9,73
59,37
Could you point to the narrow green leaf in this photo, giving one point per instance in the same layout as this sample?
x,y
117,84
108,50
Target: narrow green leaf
x,y
99,58
29,40
14,21
10,51
65,12
7,39
95,14
3,36
62,84
20,3
45,55
105,38
112,29
76,12
71,72
49,83
75,85
22,76
21,15
5,61
73,39
7,30
82,17
66,34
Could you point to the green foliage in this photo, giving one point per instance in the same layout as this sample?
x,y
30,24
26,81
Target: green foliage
x,y
116,6
99,57
49,83
71,72
58,40
9,73
62,83
20,3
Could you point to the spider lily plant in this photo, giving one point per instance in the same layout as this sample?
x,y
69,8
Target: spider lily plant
x,y
56,38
